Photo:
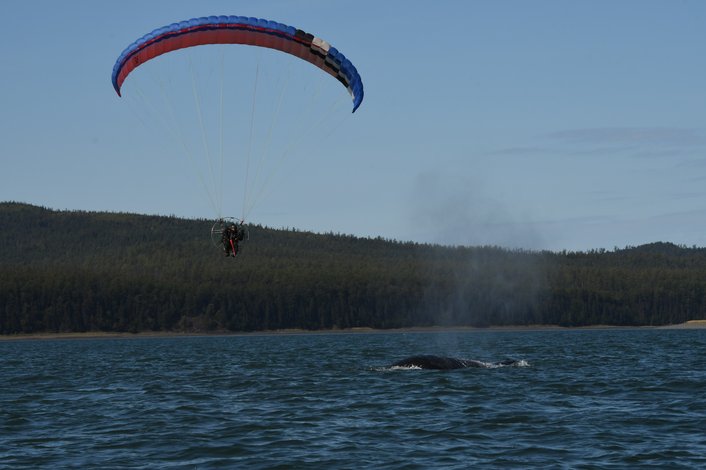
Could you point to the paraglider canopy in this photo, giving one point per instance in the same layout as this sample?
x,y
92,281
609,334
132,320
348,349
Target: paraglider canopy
x,y
240,30
224,135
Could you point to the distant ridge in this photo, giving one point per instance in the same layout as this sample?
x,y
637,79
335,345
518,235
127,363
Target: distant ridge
x,y
77,271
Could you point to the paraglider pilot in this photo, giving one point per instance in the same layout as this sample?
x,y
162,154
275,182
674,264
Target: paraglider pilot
x,y
230,238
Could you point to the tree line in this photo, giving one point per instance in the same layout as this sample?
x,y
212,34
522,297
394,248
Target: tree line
x,y
73,271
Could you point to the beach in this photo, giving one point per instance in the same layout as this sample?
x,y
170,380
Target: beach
x,y
691,324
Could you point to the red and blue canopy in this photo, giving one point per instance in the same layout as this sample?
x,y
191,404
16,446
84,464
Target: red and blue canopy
x,y
240,30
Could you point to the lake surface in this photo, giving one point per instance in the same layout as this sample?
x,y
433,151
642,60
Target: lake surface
x,y
584,399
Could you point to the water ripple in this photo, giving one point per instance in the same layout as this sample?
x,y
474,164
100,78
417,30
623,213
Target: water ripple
x,y
584,399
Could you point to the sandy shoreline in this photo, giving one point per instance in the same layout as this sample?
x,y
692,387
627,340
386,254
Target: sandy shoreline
x,y
692,324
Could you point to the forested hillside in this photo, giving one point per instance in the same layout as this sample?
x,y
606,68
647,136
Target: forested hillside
x,y
65,271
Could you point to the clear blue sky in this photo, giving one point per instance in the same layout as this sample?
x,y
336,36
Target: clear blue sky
x,y
531,124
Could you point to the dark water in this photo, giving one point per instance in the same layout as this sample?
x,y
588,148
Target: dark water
x,y
587,399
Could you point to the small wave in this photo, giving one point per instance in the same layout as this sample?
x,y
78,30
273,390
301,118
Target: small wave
x,y
402,368
394,368
448,363
508,363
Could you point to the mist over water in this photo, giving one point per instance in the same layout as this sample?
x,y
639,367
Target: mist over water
x,y
586,398
477,286
492,273
452,210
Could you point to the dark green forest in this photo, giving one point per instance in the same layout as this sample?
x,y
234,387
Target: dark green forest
x,y
73,271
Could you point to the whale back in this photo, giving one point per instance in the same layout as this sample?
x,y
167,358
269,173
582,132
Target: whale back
x,y
433,362
449,363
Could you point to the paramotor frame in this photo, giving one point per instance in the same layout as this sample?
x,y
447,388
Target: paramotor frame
x,y
220,225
